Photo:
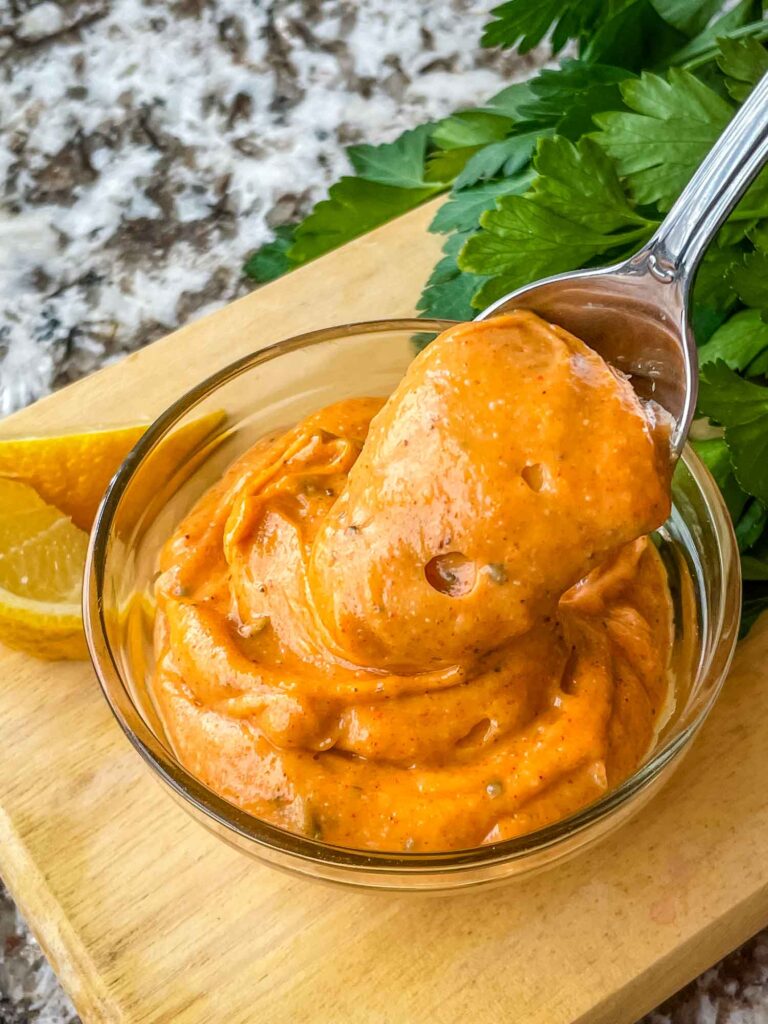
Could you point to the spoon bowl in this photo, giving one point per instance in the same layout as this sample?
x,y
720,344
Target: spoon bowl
x,y
636,313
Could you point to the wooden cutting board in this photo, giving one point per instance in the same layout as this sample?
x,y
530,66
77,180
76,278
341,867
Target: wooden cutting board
x,y
148,918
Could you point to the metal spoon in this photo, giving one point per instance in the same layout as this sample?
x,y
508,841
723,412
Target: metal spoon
x,y
635,314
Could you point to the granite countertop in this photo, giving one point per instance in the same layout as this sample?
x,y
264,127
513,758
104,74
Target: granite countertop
x,y
145,149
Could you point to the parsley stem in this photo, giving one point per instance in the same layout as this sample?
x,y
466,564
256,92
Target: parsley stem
x,y
755,29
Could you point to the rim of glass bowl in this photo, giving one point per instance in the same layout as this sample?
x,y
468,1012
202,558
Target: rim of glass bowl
x,y
714,660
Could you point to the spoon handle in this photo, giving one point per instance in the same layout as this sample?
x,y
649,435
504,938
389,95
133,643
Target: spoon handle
x,y
721,180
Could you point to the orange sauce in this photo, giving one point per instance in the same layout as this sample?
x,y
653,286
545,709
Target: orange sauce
x,y
432,622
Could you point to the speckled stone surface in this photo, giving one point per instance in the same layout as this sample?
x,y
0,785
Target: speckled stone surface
x,y
145,147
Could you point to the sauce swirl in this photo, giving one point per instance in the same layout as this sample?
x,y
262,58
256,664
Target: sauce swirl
x,y
432,622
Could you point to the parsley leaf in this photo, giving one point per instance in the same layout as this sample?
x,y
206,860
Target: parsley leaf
x,y
393,178
566,99
570,216
742,408
459,137
632,35
713,293
470,128
523,241
750,527
399,163
714,454
738,342
462,210
625,32
510,100
353,207
271,260
751,280
758,235
753,206
580,182
447,164
759,368
672,125
689,16
743,62
524,23
448,292
504,157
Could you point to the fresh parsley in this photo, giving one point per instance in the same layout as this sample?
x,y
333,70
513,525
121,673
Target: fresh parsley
x,y
575,211
499,158
353,207
671,125
471,128
686,16
399,163
743,62
462,211
621,31
715,455
749,529
271,260
739,343
448,292
566,99
523,24
750,279
741,407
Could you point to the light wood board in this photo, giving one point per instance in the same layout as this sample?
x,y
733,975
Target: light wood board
x,y
148,918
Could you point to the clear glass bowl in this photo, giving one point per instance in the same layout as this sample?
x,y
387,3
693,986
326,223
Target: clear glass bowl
x,y
189,447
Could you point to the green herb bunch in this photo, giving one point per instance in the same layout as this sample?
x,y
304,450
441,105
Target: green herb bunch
x,y
577,167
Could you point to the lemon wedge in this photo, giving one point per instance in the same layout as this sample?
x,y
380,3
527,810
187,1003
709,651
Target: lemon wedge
x,y
42,554
50,490
70,471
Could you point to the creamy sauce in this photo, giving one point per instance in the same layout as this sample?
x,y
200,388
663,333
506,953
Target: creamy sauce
x,y
433,622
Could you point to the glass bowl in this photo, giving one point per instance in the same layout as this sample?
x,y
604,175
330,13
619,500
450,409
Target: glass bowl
x,y
189,447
